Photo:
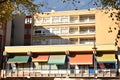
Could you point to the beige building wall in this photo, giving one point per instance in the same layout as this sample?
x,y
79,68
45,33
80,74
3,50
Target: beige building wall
x,y
103,23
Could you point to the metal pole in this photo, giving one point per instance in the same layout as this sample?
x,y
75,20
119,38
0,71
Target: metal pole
x,y
94,56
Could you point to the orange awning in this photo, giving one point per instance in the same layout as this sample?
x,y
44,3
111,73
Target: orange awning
x,y
81,59
41,58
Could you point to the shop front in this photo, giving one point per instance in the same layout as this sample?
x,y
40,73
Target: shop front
x,y
106,65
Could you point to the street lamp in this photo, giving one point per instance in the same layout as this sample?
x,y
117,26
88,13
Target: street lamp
x,y
94,55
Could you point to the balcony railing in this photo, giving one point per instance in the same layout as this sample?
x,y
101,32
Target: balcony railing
x,y
58,73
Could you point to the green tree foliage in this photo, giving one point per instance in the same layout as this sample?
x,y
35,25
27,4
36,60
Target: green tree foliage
x,y
111,6
8,8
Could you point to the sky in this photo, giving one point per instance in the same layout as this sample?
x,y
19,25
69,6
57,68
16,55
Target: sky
x,y
58,5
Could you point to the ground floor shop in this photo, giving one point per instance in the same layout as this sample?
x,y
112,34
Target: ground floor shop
x,y
61,63
76,64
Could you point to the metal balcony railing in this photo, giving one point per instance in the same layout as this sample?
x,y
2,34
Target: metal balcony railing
x,y
58,73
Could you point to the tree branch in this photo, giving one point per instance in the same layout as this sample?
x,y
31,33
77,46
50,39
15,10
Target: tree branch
x,y
2,1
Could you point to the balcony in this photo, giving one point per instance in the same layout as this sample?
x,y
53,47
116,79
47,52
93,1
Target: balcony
x,y
87,19
58,73
74,19
87,30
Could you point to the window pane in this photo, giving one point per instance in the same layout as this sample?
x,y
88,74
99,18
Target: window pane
x,y
87,41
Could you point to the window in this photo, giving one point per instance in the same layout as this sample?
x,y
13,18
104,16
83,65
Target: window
x,y
92,18
37,32
64,30
42,20
60,19
36,42
106,65
83,19
58,41
73,41
38,20
51,31
73,30
74,19
64,19
41,42
55,19
46,32
55,30
54,41
83,30
87,41
46,20
44,42
87,18
50,41
92,30
87,30
28,20
64,41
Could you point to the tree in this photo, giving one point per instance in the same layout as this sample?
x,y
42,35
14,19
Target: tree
x,y
111,6
10,8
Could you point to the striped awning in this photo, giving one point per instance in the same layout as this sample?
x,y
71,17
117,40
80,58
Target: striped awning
x,y
57,59
81,59
18,59
40,58
106,58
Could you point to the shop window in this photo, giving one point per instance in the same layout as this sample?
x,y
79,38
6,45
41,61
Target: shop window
x,y
106,65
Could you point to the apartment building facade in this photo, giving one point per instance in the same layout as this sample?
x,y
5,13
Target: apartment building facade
x,y
15,32
65,44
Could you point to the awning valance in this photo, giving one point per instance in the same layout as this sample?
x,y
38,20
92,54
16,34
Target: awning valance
x,y
106,58
81,59
18,59
41,58
57,59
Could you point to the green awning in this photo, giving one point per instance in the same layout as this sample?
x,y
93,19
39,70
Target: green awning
x,y
57,59
18,59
